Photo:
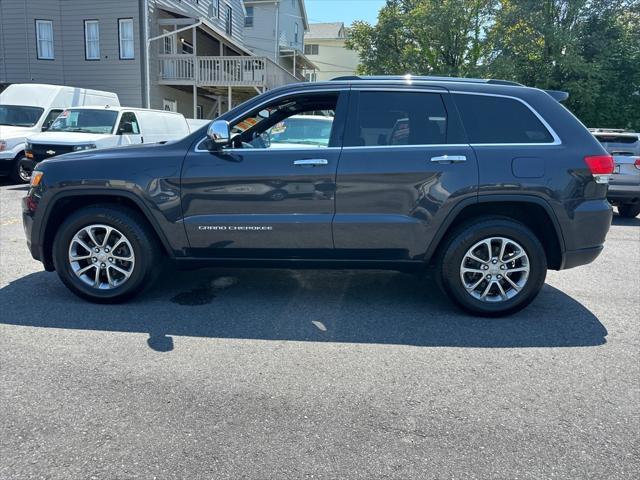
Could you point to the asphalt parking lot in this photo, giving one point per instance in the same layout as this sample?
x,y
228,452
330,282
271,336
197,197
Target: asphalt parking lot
x,y
277,374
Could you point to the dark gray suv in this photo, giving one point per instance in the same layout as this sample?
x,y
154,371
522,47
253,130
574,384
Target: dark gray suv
x,y
486,182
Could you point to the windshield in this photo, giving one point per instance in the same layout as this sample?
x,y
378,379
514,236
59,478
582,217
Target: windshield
x,y
19,115
311,131
85,121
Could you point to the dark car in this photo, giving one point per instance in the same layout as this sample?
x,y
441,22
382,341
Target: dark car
x,y
489,183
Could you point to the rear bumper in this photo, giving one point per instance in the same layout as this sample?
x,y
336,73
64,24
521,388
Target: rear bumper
x,y
585,233
627,193
576,258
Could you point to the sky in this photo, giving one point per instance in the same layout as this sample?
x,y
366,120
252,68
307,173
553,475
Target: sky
x,y
343,10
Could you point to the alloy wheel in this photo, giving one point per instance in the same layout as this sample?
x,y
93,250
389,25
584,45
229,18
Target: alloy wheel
x,y
495,269
101,256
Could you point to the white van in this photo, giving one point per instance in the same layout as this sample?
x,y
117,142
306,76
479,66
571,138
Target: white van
x,y
28,108
86,128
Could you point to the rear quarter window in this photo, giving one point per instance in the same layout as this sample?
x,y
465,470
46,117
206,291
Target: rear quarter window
x,y
490,119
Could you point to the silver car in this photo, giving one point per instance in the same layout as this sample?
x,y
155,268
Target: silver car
x,y
624,187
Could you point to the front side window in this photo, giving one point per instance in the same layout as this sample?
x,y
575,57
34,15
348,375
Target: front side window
x,y
248,19
499,120
297,122
229,21
19,115
85,121
92,39
53,114
398,118
44,39
128,124
125,34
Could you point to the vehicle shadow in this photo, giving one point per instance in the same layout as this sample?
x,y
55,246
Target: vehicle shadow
x,y
372,307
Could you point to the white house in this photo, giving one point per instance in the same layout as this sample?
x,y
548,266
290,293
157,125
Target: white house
x,y
325,47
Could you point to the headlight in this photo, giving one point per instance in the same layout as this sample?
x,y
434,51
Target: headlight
x,y
3,145
79,148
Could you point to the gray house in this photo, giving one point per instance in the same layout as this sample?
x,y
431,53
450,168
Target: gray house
x,y
275,29
183,55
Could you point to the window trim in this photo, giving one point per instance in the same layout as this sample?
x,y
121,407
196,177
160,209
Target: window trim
x,y
228,21
53,50
133,39
551,131
252,17
86,44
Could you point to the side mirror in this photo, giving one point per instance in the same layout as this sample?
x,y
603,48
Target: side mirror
x,y
219,133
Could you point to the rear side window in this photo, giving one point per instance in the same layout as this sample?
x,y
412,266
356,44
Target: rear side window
x,y
489,119
398,118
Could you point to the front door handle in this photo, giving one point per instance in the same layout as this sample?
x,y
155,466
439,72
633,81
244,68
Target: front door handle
x,y
311,162
449,159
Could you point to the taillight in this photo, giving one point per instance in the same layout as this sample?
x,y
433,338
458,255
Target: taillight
x,y
601,167
637,163
600,164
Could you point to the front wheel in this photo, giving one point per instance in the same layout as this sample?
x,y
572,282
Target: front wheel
x,y
493,266
106,254
629,210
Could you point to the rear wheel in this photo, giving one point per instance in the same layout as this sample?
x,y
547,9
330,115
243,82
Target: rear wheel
x,y
106,254
492,266
629,210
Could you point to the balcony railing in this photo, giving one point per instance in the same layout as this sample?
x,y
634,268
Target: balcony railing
x,y
259,72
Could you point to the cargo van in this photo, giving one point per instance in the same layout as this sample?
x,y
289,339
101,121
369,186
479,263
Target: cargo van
x,y
28,108
88,128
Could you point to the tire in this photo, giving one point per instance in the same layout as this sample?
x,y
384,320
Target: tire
x,y
505,298
140,246
14,175
629,210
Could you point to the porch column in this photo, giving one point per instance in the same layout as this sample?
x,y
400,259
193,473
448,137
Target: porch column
x,y
230,99
196,72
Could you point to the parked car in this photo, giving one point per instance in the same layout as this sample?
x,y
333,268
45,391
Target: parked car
x,y
87,128
300,131
513,186
29,108
624,187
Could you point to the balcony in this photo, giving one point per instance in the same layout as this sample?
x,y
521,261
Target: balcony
x,y
259,73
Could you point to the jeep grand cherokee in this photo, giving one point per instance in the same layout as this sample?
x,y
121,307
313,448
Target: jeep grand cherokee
x,y
487,182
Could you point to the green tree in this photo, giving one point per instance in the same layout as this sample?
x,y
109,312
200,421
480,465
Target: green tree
x,y
428,37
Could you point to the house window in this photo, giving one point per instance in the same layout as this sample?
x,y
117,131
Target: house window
x,y
229,21
311,49
311,77
218,12
248,19
44,39
169,105
125,35
296,33
91,40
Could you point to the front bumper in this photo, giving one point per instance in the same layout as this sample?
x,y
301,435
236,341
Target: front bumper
x,y
6,161
27,224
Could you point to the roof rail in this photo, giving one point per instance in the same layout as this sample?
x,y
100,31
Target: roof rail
x,y
427,79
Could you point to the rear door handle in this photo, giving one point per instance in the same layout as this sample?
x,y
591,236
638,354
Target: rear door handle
x,y
449,159
311,162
